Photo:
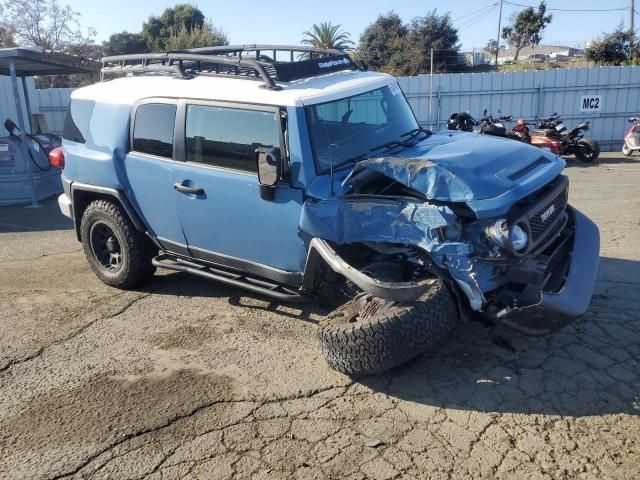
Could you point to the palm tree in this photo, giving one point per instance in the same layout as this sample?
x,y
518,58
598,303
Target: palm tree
x,y
327,35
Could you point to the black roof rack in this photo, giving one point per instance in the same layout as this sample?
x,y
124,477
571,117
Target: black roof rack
x,y
257,62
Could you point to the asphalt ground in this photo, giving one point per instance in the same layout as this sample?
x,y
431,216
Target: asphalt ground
x,y
191,379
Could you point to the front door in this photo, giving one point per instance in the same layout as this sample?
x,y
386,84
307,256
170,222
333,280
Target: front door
x,y
223,217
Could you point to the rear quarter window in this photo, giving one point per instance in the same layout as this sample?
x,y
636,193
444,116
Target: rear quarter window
x,y
153,129
76,122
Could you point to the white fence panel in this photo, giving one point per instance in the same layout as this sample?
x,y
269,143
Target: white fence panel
x,y
532,94
54,103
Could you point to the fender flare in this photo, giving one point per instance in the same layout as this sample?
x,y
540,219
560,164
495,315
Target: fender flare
x,y
320,250
118,195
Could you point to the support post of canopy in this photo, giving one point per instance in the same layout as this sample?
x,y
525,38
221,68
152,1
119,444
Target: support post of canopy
x,y
23,133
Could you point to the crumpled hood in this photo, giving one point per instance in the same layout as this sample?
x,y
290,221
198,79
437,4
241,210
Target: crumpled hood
x,y
466,167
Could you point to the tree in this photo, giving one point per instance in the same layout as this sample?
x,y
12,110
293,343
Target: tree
x,y
42,23
491,47
6,38
158,30
391,46
383,44
614,48
327,35
435,32
124,43
204,36
526,28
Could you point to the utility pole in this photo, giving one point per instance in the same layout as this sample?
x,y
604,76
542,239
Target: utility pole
x,y
498,38
631,15
431,91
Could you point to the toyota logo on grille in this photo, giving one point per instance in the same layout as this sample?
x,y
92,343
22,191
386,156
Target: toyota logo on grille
x,y
544,216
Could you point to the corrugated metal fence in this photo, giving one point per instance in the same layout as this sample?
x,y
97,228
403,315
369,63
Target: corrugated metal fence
x,y
53,103
533,94
528,94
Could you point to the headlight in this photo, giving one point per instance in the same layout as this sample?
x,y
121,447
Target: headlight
x,y
512,238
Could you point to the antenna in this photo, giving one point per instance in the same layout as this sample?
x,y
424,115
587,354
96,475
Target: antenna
x,y
331,178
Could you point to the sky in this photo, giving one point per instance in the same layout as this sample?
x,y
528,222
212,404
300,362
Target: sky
x,y
284,21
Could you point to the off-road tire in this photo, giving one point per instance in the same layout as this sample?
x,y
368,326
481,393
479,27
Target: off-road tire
x,y
626,151
593,146
389,337
136,249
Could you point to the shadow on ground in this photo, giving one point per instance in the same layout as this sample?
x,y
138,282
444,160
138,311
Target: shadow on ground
x,y
24,218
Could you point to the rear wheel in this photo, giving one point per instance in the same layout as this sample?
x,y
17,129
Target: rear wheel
x,y
626,151
118,254
369,335
587,150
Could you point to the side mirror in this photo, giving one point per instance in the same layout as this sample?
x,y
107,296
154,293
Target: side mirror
x,y
268,166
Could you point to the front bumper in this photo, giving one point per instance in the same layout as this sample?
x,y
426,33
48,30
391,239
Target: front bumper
x,y
555,310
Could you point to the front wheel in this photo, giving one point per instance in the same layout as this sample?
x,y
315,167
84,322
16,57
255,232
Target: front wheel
x,y
587,150
626,151
369,335
118,254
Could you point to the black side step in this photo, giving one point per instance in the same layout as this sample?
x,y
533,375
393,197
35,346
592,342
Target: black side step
x,y
263,287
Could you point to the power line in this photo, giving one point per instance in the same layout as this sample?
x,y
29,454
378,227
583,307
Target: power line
x,y
594,10
471,22
474,12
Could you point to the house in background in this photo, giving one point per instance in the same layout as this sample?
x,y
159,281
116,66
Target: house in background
x,y
541,53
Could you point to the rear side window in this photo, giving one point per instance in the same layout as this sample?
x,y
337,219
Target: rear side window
x,y
76,122
153,129
228,137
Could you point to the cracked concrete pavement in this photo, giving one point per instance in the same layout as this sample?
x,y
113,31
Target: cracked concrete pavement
x,y
191,379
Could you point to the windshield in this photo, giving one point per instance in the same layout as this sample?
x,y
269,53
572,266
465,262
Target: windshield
x,y
348,129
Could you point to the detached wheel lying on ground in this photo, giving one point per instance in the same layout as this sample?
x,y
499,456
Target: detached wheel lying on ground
x,y
589,150
119,254
369,335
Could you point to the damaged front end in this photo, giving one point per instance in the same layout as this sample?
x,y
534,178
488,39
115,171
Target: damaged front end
x,y
516,269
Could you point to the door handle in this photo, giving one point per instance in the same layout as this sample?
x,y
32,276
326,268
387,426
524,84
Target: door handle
x,y
192,190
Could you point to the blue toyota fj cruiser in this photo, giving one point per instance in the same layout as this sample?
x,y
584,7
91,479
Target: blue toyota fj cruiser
x,y
289,172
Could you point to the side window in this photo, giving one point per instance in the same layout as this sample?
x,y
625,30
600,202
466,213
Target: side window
x,y
228,137
76,122
153,129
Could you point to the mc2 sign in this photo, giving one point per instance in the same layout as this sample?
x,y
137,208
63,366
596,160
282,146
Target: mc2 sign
x,y
591,103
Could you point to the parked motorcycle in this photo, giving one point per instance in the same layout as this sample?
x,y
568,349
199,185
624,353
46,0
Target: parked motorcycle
x,y
632,138
520,131
571,142
487,125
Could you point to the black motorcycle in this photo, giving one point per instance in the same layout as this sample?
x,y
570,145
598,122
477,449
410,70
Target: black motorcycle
x,y
573,142
487,125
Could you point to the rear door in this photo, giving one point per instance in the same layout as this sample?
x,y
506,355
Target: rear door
x,y
224,218
149,169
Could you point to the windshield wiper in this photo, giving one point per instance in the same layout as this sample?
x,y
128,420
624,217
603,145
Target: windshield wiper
x,y
416,131
405,143
391,144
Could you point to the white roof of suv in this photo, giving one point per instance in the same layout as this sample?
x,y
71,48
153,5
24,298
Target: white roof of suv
x,y
308,91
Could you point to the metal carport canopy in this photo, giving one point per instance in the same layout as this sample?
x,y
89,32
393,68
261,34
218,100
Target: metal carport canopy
x,y
29,62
